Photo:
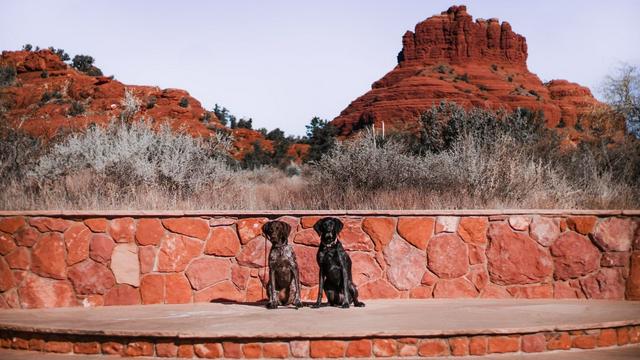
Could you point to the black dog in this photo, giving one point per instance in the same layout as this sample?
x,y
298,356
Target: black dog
x,y
335,266
284,279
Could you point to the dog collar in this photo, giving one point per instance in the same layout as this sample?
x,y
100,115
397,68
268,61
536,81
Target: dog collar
x,y
332,244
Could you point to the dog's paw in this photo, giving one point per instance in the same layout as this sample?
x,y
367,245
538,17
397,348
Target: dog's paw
x,y
359,304
315,306
345,305
298,304
272,305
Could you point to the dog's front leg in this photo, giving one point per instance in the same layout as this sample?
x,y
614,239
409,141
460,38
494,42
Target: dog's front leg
x,y
345,282
273,297
296,277
320,289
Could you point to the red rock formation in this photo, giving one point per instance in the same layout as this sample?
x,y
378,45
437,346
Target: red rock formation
x,y
45,88
479,63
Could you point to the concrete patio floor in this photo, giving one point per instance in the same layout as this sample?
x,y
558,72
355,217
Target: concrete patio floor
x,y
378,318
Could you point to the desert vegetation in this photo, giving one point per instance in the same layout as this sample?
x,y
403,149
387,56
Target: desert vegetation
x,y
457,159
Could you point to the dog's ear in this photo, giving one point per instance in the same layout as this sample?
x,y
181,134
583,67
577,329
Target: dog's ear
x,y
319,225
267,229
286,229
338,224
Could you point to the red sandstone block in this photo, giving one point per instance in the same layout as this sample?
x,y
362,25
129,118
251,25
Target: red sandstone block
x,y
208,350
359,348
139,348
384,347
299,349
36,344
19,343
584,342
478,345
634,334
504,344
112,348
459,346
607,337
232,350
97,225
58,347
558,341
408,347
252,350
166,349
433,347
5,343
533,343
92,347
623,336
275,350
327,348
186,351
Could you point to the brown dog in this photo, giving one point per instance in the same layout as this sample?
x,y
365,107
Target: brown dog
x,y
284,279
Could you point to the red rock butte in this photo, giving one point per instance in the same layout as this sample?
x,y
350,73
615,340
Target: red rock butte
x,y
479,63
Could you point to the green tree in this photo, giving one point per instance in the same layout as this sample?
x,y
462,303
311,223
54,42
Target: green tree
x,y
321,136
84,63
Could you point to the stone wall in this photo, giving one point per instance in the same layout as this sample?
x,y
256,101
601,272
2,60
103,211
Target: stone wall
x,y
56,259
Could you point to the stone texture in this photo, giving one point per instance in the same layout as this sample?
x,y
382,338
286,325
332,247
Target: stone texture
x,y
253,254
222,242
503,344
208,350
447,256
97,225
380,229
7,281
433,347
459,346
416,230
222,221
352,236
250,228
327,348
122,229
607,337
152,289
478,345
25,236
177,289
240,276
582,224
299,349
614,234
574,255
48,257
125,264
308,266
378,289
122,294
192,227
307,237
90,277
406,264
359,349
473,230
45,224
222,291
149,231
537,291
447,224
19,259
101,248
544,230
147,257
615,259
7,244
567,290
364,268
607,283
11,224
176,251
633,281
514,258
456,288
77,239
205,272
520,223
37,292
384,347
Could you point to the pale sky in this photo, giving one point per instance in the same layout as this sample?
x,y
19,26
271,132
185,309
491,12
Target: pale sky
x,y
283,62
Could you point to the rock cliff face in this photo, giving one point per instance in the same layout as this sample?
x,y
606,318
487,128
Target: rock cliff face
x,y
479,63
41,98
